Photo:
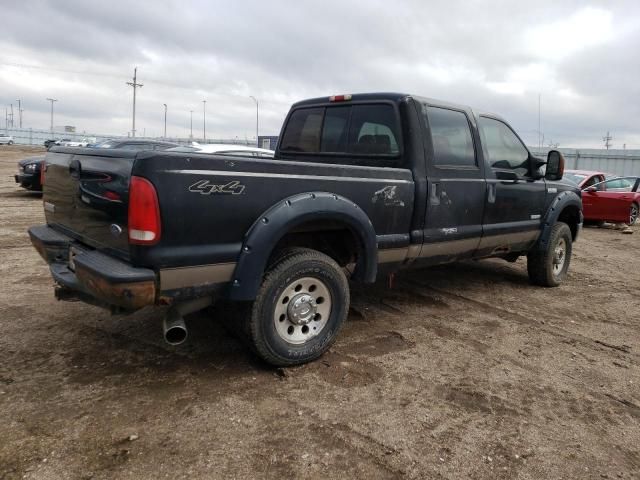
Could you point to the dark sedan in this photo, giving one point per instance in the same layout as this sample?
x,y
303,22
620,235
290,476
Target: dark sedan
x,y
29,173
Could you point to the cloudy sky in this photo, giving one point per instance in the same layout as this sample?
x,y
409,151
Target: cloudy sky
x,y
582,58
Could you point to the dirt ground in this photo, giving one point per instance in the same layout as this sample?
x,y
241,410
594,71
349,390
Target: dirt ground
x,y
463,371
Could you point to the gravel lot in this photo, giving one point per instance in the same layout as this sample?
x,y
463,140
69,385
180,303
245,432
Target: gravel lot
x,y
463,371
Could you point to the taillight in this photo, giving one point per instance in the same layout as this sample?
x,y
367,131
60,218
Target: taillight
x,y
339,98
144,212
43,167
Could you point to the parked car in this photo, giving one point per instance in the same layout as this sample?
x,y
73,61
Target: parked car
x,y
4,138
77,143
360,186
55,141
135,144
28,175
607,198
225,149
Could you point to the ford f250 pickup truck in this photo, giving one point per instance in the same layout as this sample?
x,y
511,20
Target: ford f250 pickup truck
x,y
360,186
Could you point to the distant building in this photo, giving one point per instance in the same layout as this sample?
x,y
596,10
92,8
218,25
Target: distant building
x,y
268,142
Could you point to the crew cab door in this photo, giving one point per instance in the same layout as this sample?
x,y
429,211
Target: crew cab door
x,y
515,200
455,183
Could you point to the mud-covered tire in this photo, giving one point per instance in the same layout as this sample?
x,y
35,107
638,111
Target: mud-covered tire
x,y
293,280
548,267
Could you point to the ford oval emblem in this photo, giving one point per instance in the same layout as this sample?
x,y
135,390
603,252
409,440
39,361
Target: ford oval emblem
x,y
116,230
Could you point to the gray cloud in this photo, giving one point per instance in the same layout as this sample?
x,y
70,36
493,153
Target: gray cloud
x,y
496,56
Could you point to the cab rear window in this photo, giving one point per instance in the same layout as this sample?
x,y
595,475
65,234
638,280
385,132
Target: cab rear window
x,y
354,130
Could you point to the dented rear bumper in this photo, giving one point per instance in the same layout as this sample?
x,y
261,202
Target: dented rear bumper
x,y
92,276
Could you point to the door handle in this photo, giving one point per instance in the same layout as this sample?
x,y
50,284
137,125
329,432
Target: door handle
x,y
491,193
434,196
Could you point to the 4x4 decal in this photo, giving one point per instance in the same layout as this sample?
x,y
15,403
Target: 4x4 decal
x,y
204,187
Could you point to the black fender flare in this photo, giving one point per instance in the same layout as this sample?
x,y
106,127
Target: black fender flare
x,y
278,220
562,201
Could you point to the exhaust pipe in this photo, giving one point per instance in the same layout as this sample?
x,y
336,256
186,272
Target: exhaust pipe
x,y
173,326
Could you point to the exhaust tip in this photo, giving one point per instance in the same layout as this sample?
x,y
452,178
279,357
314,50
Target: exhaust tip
x,y
175,335
174,328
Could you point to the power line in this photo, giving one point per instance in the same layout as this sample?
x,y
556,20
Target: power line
x,y
135,86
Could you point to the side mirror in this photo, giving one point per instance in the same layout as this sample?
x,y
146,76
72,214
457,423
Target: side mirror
x,y
508,176
555,166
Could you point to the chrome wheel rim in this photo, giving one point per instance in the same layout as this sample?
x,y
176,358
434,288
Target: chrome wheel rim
x,y
302,310
633,215
559,256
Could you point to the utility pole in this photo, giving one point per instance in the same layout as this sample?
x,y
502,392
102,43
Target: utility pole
x,y
20,111
165,120
204,121
191,125
11,115
607,140
256,100
52,100
135,85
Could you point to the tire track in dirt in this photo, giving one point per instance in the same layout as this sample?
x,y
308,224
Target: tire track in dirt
x,y
507,314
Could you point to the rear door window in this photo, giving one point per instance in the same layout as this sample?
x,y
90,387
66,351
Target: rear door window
x,y
451,136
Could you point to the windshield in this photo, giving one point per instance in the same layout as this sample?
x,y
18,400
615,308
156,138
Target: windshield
x,y
574,177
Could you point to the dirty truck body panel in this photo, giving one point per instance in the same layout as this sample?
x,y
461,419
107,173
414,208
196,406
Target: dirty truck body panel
x,y
407,180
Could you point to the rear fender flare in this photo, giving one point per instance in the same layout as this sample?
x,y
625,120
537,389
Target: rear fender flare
x,y
559,204
281,218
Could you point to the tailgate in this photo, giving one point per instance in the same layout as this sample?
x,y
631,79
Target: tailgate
x,y
85,195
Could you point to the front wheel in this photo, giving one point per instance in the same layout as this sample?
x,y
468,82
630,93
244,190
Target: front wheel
x,y
633,213
301,305
10,142
548,267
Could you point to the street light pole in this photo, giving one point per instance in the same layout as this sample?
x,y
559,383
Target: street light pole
x,y
52,100
165,120
257,117
204,121
191,125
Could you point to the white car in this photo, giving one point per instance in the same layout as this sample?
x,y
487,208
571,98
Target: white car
x,y
82,143
224,149
4,138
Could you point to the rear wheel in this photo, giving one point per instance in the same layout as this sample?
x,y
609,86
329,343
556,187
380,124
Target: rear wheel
x,y
633,213
548,267
301,305
10,142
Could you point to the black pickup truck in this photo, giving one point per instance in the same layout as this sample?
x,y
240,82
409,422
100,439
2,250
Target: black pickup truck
x,y
360,186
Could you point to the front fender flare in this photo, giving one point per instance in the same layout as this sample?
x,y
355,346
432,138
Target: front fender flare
x,y
562,201
278,220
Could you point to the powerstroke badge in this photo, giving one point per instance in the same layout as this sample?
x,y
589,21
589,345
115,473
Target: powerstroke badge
x,y
205,187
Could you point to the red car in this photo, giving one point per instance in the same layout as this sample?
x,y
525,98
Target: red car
x,y
607,198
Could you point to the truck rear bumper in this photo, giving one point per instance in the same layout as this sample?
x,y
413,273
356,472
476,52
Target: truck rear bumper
x,y
92,276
